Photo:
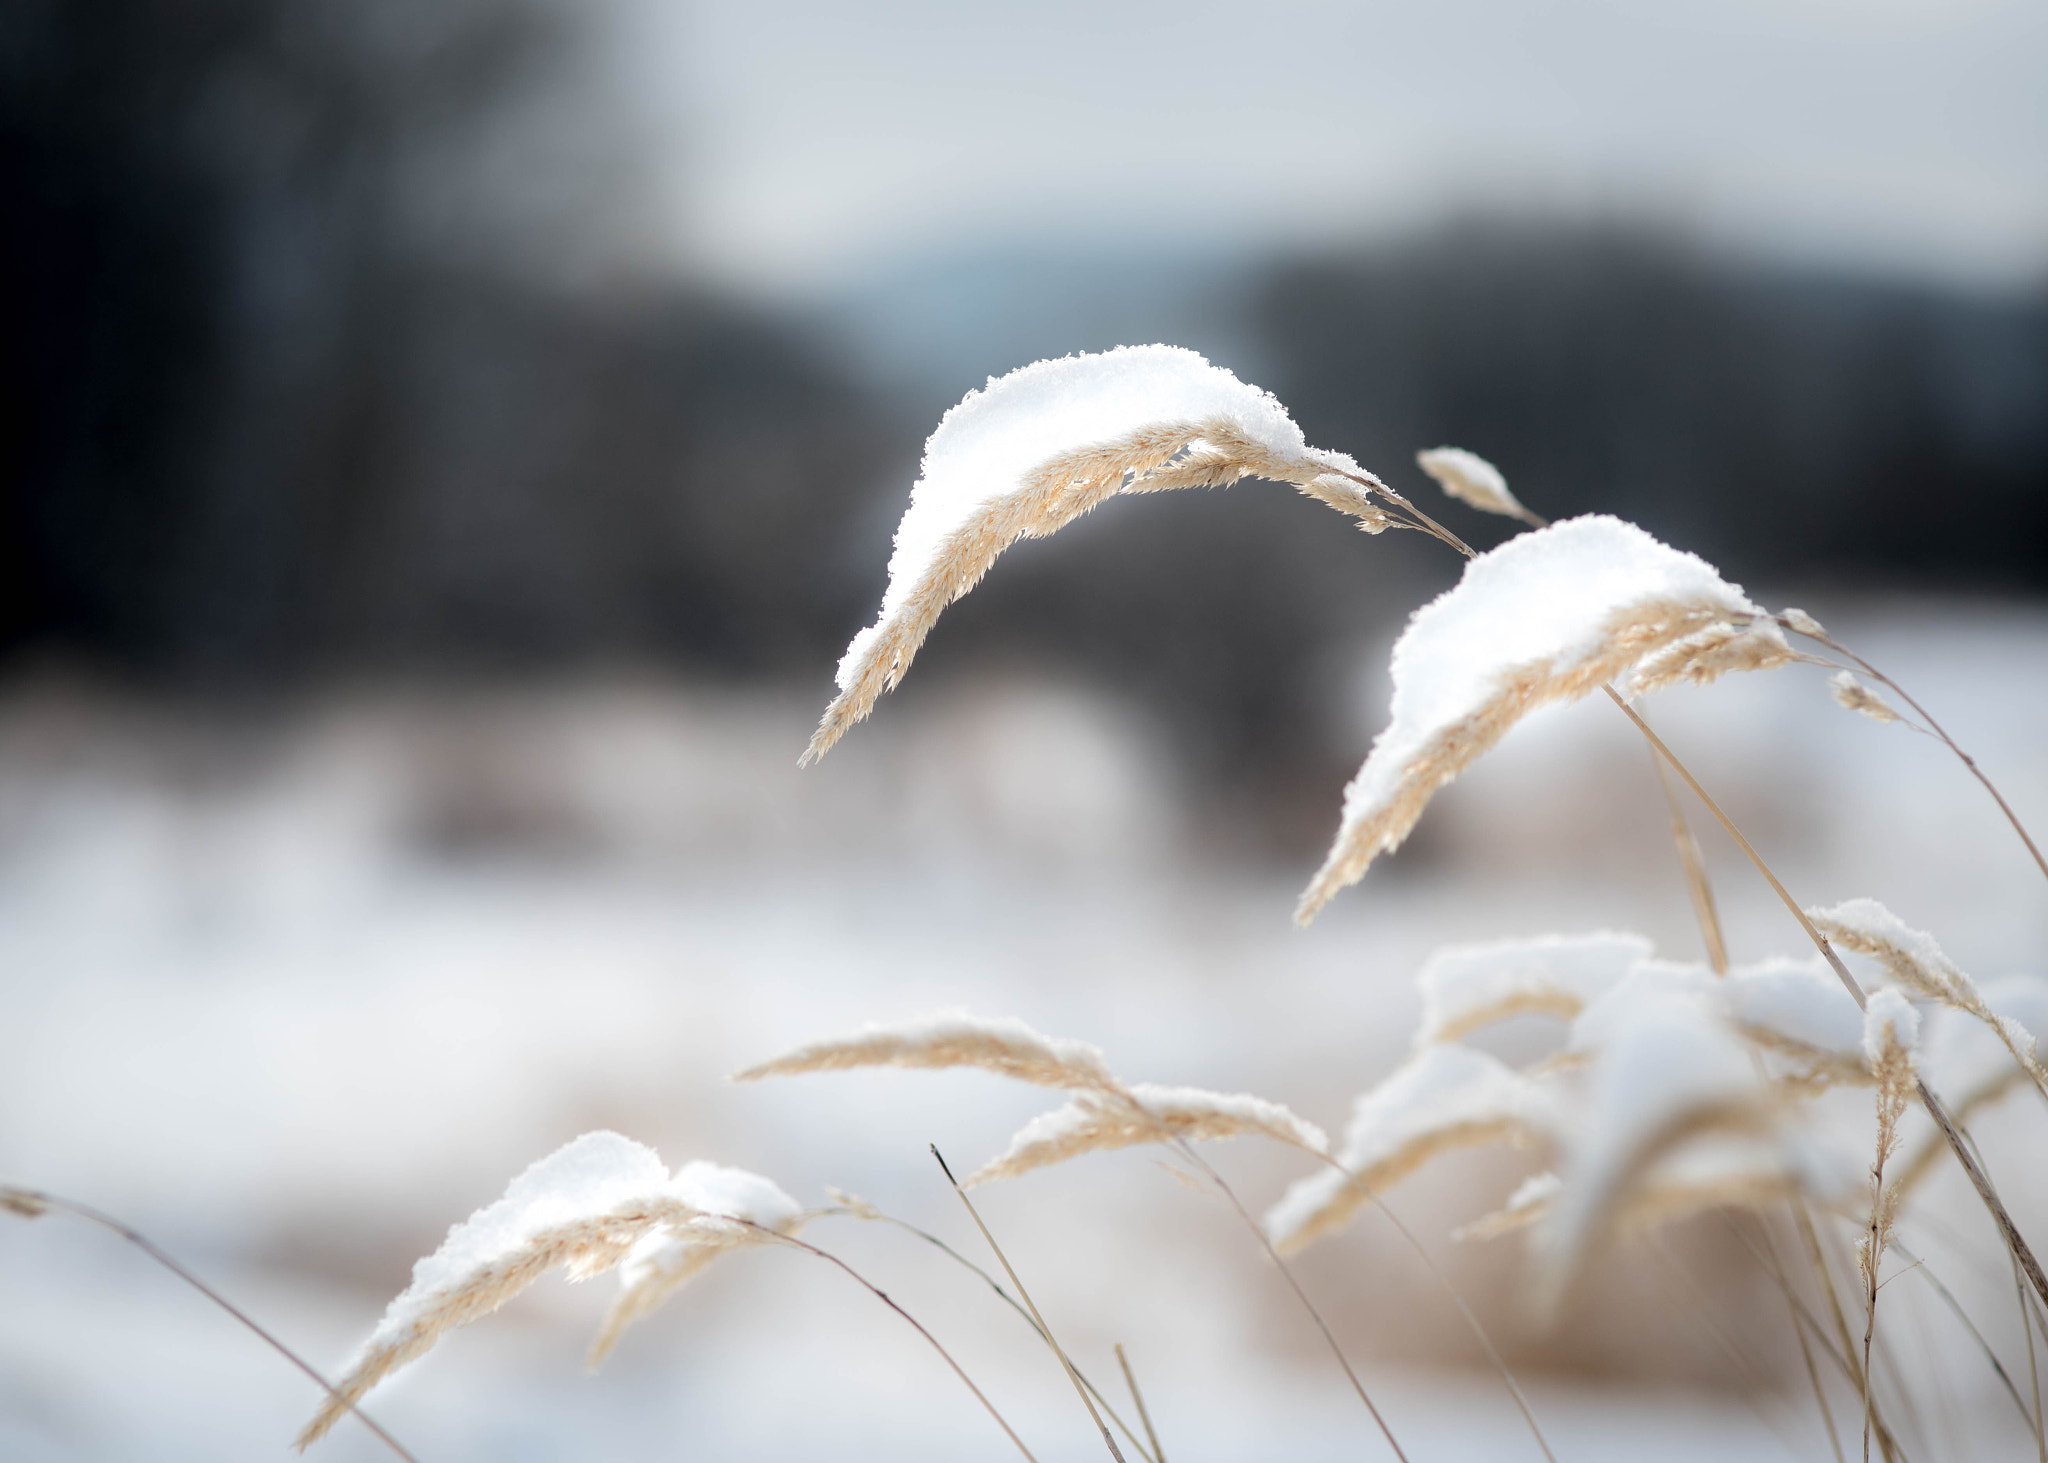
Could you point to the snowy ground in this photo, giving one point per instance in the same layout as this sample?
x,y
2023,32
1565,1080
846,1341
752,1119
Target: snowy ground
x,y
294,994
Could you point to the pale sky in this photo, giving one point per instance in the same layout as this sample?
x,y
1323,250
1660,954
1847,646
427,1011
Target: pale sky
x,y
799,145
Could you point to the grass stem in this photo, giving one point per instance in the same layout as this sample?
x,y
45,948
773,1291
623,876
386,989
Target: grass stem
x,y
1138,1399
1025,1295
33,1203
776,1236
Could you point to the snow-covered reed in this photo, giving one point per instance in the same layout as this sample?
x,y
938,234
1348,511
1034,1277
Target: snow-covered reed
x,y
601,1201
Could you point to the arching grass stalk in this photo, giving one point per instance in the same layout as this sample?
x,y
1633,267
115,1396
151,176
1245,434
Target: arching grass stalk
x,y
867,1211
1025,1295
34,1203
1187,1151
1805,625
774,1236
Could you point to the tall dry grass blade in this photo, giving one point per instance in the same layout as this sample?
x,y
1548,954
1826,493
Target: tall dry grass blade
x,y
1138,1398
1044,1330
34,1203
1097,1121
1805,624
1004,1045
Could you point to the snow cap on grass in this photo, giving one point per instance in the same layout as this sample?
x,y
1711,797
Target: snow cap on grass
x,y
1094,1122
1667,1070
1916,962
1548,616
1003,1045
1531,1200
669,1258
1798,1008
1029,453
1471,479
1466,987
1443,1097
583,1208
1969,1063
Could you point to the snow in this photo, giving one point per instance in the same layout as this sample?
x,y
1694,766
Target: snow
x,y
1545,601
986,445
1962,1057
733,1193
1665,1063
1437,1097
1468,986
1890,1020
1879,926
592,1175
1802,1001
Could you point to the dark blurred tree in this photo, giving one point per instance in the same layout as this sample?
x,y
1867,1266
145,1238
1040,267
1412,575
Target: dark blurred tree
x,y
288,384
1782,423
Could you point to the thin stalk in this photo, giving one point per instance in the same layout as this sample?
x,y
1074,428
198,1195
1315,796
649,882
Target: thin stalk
x,y
1008,1300
776,1236
2033,1368
1187,1151
1043,1329
1956,1308
1430,525
1144,1416
1493,1355
1846,1359
1695,866
1767,1256
33,1203
1979,1180
1934,726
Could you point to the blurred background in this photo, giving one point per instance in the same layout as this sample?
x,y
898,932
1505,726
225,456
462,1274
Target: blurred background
x,y
445,446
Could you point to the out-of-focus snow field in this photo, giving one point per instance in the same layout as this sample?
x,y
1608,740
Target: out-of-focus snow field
x,y
294,992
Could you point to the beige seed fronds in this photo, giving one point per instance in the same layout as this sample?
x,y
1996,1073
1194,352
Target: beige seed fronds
x,y
1707,655
1095,1122
1913,959
1472,480
1852,695
1003,1045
